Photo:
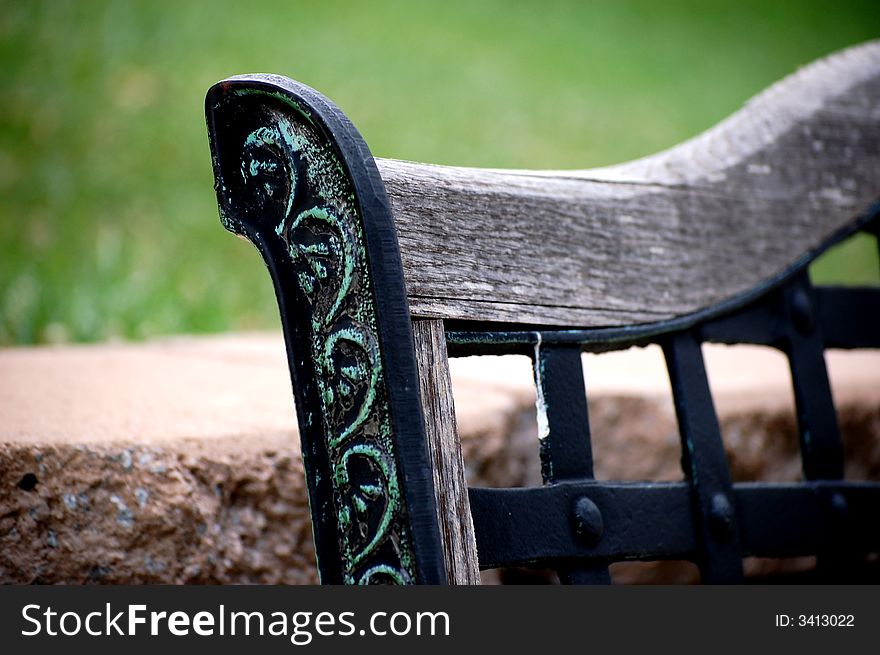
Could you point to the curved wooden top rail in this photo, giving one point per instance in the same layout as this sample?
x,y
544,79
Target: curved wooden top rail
x,y
658,237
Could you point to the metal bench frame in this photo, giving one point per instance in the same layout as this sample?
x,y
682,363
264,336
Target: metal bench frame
x,y
294,177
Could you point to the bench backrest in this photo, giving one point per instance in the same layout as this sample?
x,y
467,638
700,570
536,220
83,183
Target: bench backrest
x,y
383,269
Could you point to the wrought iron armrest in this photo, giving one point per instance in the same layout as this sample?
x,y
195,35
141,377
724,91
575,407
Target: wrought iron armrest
x,y
295,178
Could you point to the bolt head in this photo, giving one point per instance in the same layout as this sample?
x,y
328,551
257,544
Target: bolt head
x,y
839,507
588,522
721,517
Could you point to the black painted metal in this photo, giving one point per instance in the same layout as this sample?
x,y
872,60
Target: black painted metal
x,y
821,447
566,452
848,316
704,461
706,518
654,521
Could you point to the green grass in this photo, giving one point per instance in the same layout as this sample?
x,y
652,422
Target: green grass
x,y
108,222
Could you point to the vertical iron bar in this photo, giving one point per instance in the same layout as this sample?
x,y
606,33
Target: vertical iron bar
x,y
704,461
564,430
820,442
821,447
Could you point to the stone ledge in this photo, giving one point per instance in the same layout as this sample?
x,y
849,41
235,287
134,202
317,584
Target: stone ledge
x,y
177,461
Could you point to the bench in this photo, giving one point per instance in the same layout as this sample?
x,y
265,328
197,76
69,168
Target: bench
x,y
383,269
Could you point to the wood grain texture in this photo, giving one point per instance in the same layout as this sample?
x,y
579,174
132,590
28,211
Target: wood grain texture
x,y
655,238
450,485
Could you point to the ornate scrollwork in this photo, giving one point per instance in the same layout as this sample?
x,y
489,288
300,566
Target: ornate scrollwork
x,y
290,172
325,251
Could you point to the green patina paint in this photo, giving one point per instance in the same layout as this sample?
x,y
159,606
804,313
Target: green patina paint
x,y
343,250
324,240
390,495
370,372
393,574
257,141
302,110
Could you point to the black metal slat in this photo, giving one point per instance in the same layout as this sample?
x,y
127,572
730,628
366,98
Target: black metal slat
x,y
762,323
821,446
642,521
704,461
848,317
820,442
652,520
566,453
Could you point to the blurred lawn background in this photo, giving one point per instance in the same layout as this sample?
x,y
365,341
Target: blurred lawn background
x,y
108,222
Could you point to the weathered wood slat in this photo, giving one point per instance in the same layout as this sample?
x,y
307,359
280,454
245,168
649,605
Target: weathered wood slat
x,y
655,238
450,485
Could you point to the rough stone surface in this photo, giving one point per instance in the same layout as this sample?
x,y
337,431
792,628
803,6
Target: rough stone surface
x,y
121,513
177,461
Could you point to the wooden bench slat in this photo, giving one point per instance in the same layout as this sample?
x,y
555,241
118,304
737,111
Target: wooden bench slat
x,y
659,237
444,446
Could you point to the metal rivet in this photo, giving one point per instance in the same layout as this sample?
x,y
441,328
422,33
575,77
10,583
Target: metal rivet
x,y
588,523
802,311
721,517
839,507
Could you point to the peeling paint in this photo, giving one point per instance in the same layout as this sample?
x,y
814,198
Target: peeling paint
x,y
540,403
